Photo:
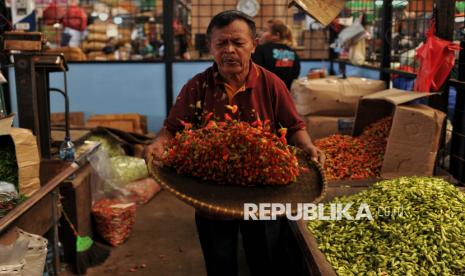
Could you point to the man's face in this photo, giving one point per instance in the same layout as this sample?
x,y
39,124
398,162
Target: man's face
x,y
232,47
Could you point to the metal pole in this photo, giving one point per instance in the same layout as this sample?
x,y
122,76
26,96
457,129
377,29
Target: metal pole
x,y
168,55
457,154
445,20
386,33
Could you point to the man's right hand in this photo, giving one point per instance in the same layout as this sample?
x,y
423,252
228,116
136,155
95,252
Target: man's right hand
x,y
154,152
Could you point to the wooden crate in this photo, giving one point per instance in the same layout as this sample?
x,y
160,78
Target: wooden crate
x,y
75,118
131,122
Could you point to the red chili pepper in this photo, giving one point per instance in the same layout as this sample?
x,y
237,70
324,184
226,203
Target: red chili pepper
x,y
356,157
233,152
208,116
185,124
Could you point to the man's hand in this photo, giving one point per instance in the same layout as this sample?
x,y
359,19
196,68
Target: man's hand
x,y
154,152
316,154
302,140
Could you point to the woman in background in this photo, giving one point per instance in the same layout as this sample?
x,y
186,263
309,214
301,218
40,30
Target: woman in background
x,y
274,52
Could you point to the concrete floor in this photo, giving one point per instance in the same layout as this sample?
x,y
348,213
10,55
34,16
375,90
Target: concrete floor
x,y
164,242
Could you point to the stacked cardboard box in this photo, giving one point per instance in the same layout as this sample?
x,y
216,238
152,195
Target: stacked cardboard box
x,y
328,105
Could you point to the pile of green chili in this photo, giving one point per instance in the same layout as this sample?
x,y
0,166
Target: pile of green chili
x,y
422,234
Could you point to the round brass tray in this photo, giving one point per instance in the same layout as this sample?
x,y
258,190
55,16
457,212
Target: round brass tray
x,y
228,200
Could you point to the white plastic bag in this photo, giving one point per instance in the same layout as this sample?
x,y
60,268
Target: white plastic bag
x,y
349,35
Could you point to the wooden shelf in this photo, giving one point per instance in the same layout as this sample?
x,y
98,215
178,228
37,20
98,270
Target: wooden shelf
x,y
52,174
35,213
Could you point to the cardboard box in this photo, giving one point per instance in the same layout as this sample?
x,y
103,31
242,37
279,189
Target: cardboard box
x,y
413,141
131,122
323,126
75,118
332,96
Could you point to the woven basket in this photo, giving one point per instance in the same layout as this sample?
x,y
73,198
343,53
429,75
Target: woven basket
x,y
13,270
229,200
35,256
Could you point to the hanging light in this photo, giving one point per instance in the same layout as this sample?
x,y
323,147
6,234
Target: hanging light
x,y
118,20
103,16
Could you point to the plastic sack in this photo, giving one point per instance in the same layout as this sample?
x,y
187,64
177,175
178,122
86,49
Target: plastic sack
x,y
143,190
9,198
114,219
110,184
7,192
349,35
75,18
53,14
129,168
437,58
109,144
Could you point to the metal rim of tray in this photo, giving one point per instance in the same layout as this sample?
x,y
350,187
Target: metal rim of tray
x,y
217,210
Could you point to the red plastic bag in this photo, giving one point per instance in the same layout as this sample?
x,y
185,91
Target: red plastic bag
x,y
75,18
53,14
437,58
115,219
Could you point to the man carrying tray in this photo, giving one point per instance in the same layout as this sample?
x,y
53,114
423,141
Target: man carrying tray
x,y
235,80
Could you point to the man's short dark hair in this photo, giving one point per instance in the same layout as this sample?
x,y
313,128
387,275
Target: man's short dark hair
x,y
225,18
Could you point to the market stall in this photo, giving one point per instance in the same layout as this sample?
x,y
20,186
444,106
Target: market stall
x,y
381,92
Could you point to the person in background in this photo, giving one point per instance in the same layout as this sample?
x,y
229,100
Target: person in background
x,y
274,51
110,46
145,48
181,43
234,79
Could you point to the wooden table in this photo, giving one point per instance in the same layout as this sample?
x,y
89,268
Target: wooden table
x,y
27,215
39,214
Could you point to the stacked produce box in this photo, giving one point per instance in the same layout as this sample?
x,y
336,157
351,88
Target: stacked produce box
x,y
96,41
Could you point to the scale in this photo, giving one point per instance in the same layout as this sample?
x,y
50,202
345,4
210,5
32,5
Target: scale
x,y
32,75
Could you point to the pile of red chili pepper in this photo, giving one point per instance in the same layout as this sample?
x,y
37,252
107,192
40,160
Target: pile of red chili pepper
x,y
356,157
114,219
233,152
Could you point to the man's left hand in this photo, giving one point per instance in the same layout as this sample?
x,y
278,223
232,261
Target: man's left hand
x,y
316,154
